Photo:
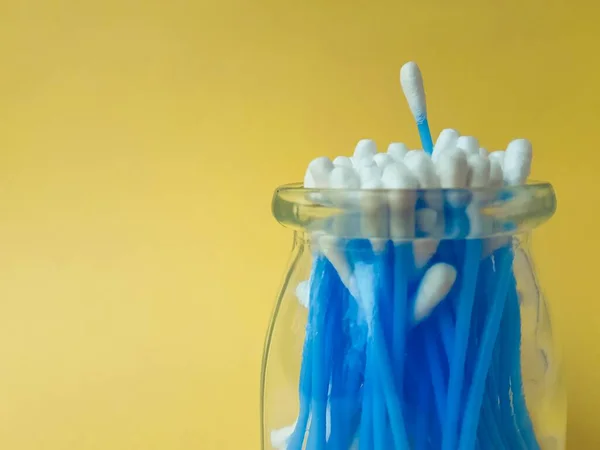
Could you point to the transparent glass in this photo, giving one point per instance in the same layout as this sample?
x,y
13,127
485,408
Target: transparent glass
x,y
412,320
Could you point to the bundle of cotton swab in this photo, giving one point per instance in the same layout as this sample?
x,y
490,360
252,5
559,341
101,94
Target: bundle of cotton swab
x,y
413,332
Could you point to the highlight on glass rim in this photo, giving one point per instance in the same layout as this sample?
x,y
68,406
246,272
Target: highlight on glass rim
x,y
411,316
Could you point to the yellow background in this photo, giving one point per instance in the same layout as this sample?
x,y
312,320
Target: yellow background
x,y
140,142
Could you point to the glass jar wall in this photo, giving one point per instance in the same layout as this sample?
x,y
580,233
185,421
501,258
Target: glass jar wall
x,y
412,320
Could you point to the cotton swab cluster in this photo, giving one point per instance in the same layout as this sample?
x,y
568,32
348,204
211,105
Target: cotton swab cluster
x,y
387,363
457,162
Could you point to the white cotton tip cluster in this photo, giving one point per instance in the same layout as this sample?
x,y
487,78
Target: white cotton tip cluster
x,y
386,184
457,162
434,287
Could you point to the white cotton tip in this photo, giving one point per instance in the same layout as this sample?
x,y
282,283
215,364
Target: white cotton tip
x,y
411,154
423,250
426,219
382,160
483,152
365,147
342,161
401,200
434,287
498,156
280,437
446,141
452,169
412,85
373,217
369,174
517,162
398,176
362,161
468,144
372,183
453,172
318,173
302,293
479,170
496,174
422,168
397,150
344,178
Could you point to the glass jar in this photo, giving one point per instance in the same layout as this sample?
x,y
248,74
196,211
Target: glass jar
x,y
412,320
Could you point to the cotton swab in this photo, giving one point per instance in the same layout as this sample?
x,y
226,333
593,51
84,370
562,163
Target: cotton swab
x,y
468,144
446,140
365,147
302,293
431,364
496,173
344,178
382,160
435,285
498,156
318,172
517,162
466,298
400,180
343,161
484,357
412,85
397,150
479,170
453,172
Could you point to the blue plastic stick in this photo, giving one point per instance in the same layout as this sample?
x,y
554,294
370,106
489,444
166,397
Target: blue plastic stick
x,y
403,256
437,378
366,417
296,440
463,324
422,432
425,135
323,294
488,339
379,418
340,348
365,281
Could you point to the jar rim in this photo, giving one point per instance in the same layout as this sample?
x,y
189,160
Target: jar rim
x,y
501,210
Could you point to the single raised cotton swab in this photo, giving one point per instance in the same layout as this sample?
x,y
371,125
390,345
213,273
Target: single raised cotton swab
x,y
412,85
